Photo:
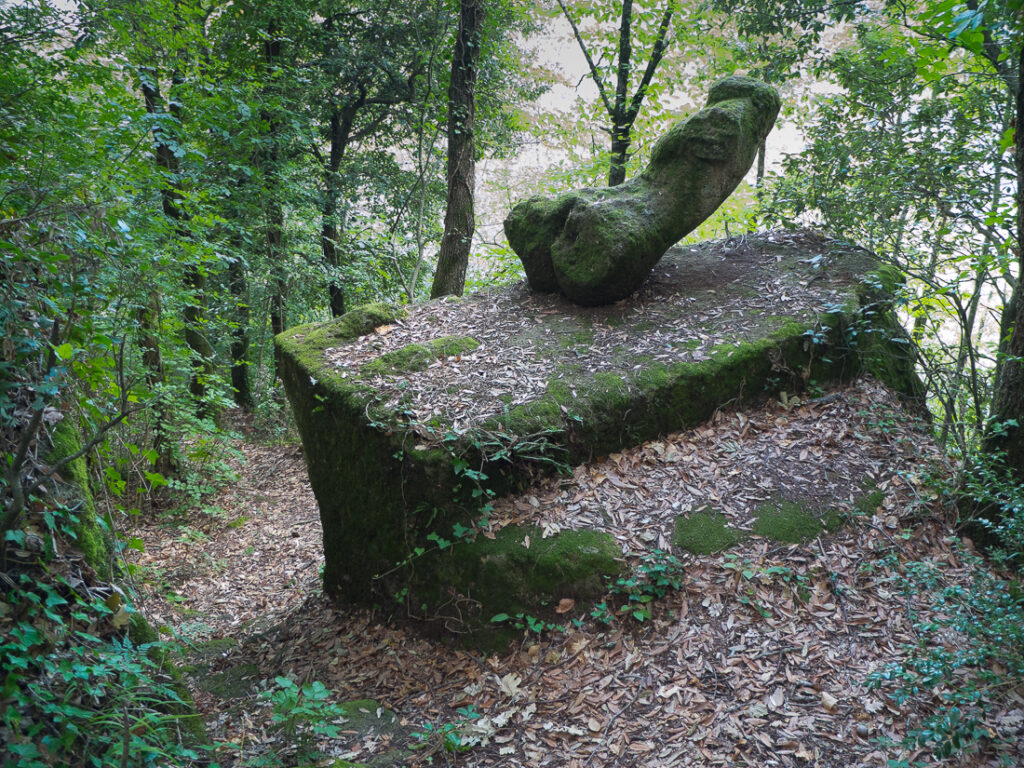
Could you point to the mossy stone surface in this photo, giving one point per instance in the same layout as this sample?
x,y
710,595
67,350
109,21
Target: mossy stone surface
x,y
361,320
705,533
520,570
416,357
787,522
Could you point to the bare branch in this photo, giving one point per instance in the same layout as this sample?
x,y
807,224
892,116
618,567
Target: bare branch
x,y
590,61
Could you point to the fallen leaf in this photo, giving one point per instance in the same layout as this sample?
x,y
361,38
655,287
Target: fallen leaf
x,y
829,701
565,605
509,684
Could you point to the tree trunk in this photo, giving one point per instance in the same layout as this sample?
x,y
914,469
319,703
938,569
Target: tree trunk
x,y
620,155
459,221
240,383
621,125
273,222
340,131
148,318
170,200
1006,433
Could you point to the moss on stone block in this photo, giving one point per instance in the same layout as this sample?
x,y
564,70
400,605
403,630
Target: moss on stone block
x,y
361,320
704,533
416,357
787,522
521,571
385,485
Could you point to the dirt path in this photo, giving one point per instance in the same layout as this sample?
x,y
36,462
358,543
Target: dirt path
x,y
760,660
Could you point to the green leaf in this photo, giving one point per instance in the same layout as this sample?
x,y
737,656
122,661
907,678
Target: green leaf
x,y
64,351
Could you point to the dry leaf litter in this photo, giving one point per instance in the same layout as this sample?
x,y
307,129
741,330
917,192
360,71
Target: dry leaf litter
x,y
728,671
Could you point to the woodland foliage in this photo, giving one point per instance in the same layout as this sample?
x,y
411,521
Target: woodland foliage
x,y
180,179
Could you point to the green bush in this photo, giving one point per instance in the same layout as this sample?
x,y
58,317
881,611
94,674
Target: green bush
x,y
956,683
76,691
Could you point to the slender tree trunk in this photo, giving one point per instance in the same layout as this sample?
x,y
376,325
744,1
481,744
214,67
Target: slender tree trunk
x,y
1007,435
621,125
459,221
340,126
761,149
274,229
171,204
620,154
240,382
148,318
273,212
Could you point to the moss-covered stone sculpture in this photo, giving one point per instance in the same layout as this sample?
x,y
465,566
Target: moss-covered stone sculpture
x,y
597,246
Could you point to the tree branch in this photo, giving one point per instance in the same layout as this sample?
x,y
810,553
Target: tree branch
x,y
590,62
652,64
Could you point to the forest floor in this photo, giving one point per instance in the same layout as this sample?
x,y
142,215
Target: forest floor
x,y
762,658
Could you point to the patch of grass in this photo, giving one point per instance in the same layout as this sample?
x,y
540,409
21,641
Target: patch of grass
x,y
787,522
704,533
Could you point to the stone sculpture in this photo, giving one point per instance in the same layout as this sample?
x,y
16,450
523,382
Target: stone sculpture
x,y
597,246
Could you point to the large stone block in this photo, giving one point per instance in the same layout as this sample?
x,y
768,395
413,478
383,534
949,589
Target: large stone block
x,y
413,418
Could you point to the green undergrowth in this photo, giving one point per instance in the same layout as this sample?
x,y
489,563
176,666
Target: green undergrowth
x,y
956,687
78,685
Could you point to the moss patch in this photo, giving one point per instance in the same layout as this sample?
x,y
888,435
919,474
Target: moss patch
x,y
521,571
364,715
361,320
833,520
704,533
787,522
869,502
91,535
232,683
416,357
